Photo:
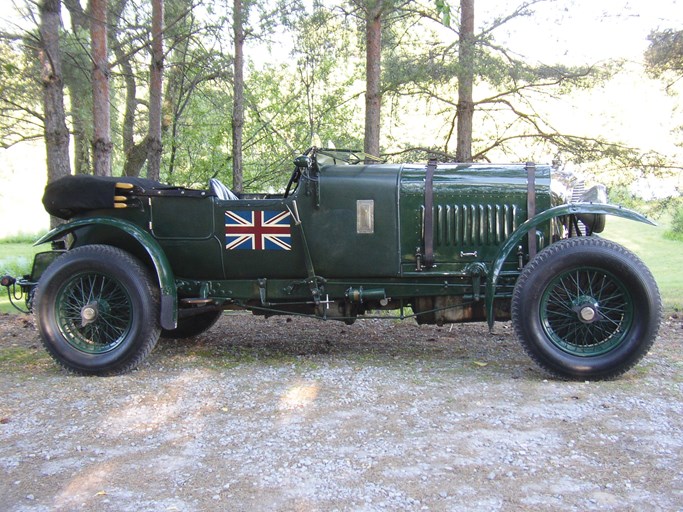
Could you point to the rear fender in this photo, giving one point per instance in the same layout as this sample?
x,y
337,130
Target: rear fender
x,y
532,223
162,267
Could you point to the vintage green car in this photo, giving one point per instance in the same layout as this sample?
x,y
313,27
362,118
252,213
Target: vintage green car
x,y
438,242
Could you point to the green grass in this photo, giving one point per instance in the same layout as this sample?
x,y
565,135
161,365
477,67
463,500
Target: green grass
x,y
13,358
22,238
663,257
16,258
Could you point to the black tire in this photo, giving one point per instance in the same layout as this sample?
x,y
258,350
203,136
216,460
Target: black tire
x,y
97,310
192,326
586,308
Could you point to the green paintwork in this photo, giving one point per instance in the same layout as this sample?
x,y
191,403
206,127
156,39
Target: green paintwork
x,y
361,228
476,208
346,239
162,267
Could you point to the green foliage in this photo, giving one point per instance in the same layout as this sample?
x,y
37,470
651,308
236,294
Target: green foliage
x,y
415,70
665,53
444,10
423,71
319,90
664,60
198,145
20,94
285,105
621,196
676,230
670,207
197,100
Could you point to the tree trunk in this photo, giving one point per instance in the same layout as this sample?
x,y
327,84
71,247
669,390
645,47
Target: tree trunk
x,y
155,87
80,89
373,67
238,98
102,144
56,133
81,138
135,154
463,152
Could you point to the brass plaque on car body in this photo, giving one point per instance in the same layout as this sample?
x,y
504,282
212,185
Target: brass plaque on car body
x,y
365,216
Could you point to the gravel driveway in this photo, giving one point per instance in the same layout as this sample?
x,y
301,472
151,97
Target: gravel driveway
x,y
299,415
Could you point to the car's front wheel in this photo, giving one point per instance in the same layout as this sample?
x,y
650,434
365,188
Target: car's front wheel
x,y
586,308
97,310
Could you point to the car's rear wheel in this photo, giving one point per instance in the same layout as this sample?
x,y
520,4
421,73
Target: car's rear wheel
x,y
586,308
97,310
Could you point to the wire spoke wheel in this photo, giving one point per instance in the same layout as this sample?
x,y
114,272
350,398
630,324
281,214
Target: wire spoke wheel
x,y
97,310
586,308
94,313
586,312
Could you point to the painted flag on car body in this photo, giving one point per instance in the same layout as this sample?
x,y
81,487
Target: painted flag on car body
x,y
258,230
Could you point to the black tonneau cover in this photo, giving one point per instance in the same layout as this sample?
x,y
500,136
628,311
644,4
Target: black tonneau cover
x,y
72,195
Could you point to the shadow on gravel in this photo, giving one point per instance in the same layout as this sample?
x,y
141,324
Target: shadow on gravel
x,y
246,339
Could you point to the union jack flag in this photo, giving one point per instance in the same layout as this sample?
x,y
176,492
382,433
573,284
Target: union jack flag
x,y
258,230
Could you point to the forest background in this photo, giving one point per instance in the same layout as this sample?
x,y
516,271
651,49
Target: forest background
x,y
187,90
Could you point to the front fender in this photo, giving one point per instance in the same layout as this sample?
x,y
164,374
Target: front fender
x,y
169,296
532,223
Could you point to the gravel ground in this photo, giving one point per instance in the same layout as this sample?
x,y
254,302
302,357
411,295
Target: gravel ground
x,y
300,415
